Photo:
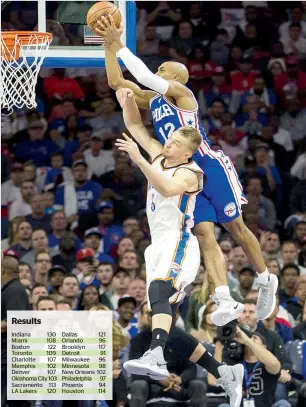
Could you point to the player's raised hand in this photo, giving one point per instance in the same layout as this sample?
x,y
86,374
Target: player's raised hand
x,y
130,147
122,95
108,29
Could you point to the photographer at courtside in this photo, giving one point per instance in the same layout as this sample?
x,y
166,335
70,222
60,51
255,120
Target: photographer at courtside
x,y
261,370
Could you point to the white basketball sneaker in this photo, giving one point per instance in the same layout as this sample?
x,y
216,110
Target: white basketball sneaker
x,y
266,297
151,364
227,309
231,380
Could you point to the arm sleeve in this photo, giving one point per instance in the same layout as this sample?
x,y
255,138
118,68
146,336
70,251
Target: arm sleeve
x,y
141,72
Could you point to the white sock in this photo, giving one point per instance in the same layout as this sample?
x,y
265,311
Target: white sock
x,y
223,289
263,277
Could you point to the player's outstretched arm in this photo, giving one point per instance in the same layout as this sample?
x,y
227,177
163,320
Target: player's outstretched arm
x,y
183,180
116,80
139,70
133,122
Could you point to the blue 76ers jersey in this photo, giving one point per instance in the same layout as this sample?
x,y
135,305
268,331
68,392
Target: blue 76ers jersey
x,y
168,118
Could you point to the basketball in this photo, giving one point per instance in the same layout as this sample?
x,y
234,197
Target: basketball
x,y
103,8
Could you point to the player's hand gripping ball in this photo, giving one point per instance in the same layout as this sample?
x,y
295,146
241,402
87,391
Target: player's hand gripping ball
x,y
103,9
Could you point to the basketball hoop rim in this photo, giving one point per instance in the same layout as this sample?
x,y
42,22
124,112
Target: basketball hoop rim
x,y
12,41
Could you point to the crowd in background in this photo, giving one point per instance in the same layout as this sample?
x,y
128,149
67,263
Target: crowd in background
x,y
73,207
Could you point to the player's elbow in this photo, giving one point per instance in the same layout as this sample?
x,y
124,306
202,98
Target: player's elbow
x,y
113,84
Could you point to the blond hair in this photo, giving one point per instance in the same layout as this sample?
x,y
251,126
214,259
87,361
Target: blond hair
x,y
193,136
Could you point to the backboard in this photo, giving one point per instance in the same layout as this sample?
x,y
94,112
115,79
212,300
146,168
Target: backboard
x,y
74,44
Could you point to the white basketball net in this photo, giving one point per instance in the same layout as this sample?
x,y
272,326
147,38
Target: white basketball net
x,y
18,78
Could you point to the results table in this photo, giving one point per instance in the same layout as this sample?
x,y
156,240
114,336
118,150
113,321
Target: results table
x,y
59,355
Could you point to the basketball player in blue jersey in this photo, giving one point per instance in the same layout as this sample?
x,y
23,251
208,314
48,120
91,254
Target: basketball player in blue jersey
x,y
173,105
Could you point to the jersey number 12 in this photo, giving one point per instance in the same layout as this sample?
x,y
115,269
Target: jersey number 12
x,y
169,127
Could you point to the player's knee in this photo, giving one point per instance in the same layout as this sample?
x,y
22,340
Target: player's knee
x,y
205,233
139,388
159,293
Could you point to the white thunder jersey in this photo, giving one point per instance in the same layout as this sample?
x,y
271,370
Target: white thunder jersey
x,y
174,215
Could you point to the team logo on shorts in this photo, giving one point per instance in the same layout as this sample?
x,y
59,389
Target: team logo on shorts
x,y
175,269
230,209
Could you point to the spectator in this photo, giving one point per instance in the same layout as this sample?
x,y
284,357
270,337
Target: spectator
x,y
121,281
266,209
296,18
25,271
38,148
272,323
256,356
128,260
105,273
238,261
56,275
42,266
298,169
126,310
129,226
83,193
297,201
219,48
264,168
148,44
111,232
289,253
182,376
63,305
79,143
99,161
219,89
86,266
10,189
280,135
273,267
38,290
70,290
213,121
243,80
295,307
137,290
58,85
276,67
21,206
300,232
252,120
93,240
230,143
207,331
13,298
198,66
24,245
105,117
39,244
266,97
46,303
67,249
291,85
59,225
37,219
295,43
183,41
246,280
90,297
289,275
270,245
57,173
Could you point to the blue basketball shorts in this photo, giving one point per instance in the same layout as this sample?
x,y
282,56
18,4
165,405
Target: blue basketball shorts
x,y
222,196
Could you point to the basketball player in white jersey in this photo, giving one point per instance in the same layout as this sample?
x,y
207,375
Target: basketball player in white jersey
x,y
173,105
173,259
